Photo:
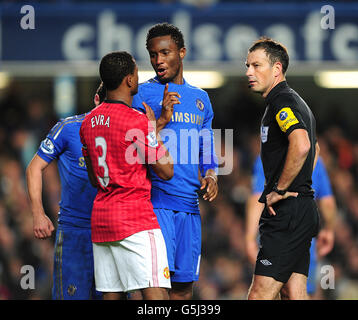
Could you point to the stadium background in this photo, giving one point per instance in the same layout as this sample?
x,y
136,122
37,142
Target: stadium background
x,y
51,71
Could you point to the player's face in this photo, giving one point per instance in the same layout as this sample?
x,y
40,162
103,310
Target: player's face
x,y
134,89
260,72
166,58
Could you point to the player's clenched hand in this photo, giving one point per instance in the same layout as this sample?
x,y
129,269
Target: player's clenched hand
x,y
274,197
210,183
43,226
169,100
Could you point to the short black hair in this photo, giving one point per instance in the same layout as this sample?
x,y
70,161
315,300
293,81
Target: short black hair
x,y
114,67
275,51
101,91
166,29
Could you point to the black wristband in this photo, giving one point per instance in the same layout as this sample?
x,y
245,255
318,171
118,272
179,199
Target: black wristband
x,y
278,191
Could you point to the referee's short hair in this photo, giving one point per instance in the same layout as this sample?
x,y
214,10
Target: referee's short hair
x,y
166,29
275,51
114,67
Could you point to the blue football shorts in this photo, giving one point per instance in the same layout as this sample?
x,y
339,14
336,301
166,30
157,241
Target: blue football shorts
x,y
182,235
73,274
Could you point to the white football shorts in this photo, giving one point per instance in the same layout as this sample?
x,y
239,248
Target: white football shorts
x,y
136,262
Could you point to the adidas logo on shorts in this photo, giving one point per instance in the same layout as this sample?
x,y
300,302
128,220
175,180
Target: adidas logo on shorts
x,y
266,262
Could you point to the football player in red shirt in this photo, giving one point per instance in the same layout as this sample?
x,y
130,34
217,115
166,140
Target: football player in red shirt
x,y
118,144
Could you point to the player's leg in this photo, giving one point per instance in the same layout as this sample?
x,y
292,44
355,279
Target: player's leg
x,y
166,219
155,294
135,295
181,291
105,272
276,259
284,295
88,263
141,262
167,225
114,296
299,280
306,227
73,270
264,288
187,255
57,288
296,287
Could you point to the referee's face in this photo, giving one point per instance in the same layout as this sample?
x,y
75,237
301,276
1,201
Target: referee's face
x,y
166,58
260,72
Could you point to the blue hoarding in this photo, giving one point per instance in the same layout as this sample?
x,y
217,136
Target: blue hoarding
x,y
223,32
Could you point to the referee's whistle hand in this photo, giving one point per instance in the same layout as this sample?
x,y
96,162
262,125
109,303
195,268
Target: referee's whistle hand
x,y
274,197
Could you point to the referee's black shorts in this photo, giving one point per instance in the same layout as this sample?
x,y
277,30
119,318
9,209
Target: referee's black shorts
x,y
285,239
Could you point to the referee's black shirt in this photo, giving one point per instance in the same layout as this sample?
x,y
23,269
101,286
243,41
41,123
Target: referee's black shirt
x,y
285,112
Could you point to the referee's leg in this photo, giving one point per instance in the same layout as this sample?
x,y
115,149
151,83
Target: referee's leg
x,y
296,287
264,288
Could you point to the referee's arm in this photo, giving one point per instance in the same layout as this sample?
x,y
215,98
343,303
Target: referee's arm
x,y
298,148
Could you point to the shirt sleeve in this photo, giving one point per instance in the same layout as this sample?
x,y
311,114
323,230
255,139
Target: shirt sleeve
x,y
54,143
288,117
207,156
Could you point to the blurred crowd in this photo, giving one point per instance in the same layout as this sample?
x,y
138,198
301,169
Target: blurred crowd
x,y
22,124
225,270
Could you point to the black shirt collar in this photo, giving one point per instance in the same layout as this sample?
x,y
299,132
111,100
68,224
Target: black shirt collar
x,y
275,90
116,101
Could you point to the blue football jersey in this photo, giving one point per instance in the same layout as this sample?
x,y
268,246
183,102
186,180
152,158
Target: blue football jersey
x,y
320,180
189,139
77,194
258,176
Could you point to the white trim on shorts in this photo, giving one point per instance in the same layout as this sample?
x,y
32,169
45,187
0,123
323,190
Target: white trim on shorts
x,y
136,262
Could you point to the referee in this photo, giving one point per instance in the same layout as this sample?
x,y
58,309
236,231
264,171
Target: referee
x,y
289,152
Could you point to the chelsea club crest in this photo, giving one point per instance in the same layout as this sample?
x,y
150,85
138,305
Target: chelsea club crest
x,y
200,104
71,290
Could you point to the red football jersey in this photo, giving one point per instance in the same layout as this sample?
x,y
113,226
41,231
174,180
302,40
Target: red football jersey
x,y
120,141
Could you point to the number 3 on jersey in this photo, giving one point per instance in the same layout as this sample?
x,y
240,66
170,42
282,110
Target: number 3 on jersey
x,y
101,142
